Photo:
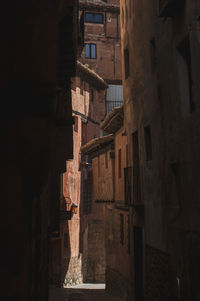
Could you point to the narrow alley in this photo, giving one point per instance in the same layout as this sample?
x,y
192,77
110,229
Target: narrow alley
x,y
82,292
100,150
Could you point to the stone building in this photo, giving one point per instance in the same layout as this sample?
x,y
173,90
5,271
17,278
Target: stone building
x,y
33,45
102,51
88,109
161,71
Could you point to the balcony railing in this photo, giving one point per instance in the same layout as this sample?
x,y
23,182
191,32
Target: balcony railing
x,y
169,8
110,105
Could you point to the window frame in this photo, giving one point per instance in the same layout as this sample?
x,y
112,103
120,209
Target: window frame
x,y
90,51
93,18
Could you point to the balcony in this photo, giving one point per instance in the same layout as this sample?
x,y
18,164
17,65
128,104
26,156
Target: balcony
x,y
170,8
110,105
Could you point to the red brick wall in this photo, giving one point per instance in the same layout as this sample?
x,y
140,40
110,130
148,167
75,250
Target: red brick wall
x,y
92,112
107,39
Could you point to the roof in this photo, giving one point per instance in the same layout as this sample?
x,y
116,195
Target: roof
x,y
91,76
96,143
113,121
98,5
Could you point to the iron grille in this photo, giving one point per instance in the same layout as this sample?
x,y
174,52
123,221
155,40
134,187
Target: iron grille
x,y
110,105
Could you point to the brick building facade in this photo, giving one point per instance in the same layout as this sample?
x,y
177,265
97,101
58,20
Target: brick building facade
x,y
102,50
88,108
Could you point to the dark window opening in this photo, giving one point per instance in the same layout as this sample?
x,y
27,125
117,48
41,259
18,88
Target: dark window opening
x,y
122,229
136,169
85,196
119,163
127,184
148,144
76,124
183,57
90,51
94,18
126,63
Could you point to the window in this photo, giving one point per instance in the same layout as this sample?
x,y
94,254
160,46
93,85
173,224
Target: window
x,y
85,196
122,229
119,163
94,18
127,184
126,63
76,124
136,169
148,146
90,51
183,59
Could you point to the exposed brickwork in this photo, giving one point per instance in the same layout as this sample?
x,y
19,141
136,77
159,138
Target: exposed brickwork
x,y
107,39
